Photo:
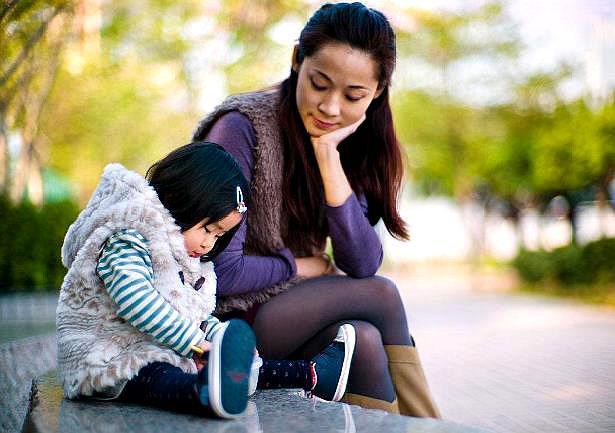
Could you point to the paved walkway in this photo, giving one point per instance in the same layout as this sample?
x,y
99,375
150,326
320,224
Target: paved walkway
x,y
510,362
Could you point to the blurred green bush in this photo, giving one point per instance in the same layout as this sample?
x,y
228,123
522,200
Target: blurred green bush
x,y
573,269
533,266
30,243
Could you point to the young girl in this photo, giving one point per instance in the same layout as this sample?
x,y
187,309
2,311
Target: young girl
x,y
323,160
135,306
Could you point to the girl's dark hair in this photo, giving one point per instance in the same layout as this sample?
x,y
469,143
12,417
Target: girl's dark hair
x,y
371,157
198,181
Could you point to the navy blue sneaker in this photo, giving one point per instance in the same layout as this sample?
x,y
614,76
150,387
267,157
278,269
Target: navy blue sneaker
x,y
332,365
228,370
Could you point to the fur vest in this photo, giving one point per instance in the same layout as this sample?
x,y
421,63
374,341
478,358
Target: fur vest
x,y
97,350
267,221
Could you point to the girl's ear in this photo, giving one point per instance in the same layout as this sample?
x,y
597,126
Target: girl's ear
x,y
294,62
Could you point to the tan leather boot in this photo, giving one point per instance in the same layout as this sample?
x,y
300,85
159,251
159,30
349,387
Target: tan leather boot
x,y
413,394
371,403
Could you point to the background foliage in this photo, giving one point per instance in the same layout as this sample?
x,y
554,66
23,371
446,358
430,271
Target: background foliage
x,y
30,237
87,82
583,271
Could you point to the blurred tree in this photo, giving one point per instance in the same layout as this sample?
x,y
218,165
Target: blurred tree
x,y
445,39
568,153
32,36
258,56
519,153
123,90
118,78
606,135
423,125
507,139
436,125
541,146
574,156
444,135
86,82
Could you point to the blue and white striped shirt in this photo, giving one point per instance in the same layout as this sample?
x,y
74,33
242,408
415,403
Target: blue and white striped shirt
x,y
125,267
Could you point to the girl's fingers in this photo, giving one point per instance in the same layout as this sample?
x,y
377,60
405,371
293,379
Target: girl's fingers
x,y
205,346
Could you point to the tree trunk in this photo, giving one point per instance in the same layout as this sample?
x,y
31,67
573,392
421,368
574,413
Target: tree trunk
x,y
474,214
605,205
4,158
28,178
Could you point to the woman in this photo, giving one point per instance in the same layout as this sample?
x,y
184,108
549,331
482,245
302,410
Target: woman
x,y
323,160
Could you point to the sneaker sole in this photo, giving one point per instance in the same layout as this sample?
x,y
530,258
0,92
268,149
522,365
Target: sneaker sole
x,y
349,343
229,369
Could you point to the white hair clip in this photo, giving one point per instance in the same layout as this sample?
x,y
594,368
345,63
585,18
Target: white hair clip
x,y
241,206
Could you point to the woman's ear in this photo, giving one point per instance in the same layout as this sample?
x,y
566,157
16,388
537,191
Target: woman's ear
x,y
379,91
294,62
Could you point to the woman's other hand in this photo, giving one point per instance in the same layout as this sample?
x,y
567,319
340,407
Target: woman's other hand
x,y
315,266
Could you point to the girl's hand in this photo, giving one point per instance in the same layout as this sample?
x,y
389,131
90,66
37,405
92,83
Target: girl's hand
x,y
201,362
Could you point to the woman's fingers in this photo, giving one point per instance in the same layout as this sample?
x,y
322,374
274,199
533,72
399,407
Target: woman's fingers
x,y
337,136
348,130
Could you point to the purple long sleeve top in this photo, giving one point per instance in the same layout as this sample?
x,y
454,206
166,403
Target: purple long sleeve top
x,y
356,247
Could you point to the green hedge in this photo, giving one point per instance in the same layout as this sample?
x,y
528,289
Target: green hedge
x,y
30,243
570,266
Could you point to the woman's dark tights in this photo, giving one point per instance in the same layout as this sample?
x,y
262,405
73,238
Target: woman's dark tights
x,y
301,322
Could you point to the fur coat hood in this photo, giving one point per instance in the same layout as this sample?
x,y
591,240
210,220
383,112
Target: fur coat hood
x,y
97,350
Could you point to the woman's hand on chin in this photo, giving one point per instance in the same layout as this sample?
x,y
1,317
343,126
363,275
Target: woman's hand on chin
x,y
335,183
328,142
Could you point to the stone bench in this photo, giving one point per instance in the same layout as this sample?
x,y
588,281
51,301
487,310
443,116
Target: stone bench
x,y
40,407
20,362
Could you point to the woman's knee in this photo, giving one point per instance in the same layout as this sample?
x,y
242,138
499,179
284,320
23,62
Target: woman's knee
x,y
388,295
390,316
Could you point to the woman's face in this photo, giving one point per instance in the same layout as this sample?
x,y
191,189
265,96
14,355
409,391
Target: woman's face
x,y
334,88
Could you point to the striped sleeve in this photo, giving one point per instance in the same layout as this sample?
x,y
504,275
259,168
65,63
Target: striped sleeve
x,y
211,326
126,270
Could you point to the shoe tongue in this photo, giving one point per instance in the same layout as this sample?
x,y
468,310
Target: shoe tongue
x,y
335,347
338,345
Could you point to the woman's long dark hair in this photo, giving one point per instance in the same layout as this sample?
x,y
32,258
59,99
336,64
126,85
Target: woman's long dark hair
x,y
371,157
198,181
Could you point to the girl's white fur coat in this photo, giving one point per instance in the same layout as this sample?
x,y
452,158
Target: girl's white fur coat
x,y
96,348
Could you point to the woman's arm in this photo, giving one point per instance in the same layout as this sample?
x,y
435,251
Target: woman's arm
x,y
237,272
356,246
126,270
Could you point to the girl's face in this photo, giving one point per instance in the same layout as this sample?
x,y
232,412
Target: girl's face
x,y
201,238
334,87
